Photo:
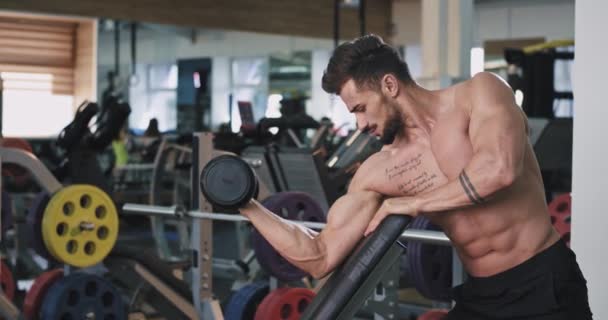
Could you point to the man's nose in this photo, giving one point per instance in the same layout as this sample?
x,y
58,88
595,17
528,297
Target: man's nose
x,y
361,124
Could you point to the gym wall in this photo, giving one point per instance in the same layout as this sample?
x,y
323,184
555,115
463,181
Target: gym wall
x,y
312,18
48,60
161,44
499,19
589,183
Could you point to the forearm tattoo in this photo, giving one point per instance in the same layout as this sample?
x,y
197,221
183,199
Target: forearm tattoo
x,y
469,189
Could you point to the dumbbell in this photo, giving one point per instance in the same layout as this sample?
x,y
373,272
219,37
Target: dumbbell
x,y
228,182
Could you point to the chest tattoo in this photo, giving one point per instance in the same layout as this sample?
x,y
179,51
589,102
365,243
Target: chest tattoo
x,y
410,178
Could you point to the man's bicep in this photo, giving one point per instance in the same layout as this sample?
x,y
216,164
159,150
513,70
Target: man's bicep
x,y
497,124
346,222
497,128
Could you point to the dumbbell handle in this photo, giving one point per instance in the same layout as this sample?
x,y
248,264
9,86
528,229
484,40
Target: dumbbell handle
x,y
179,212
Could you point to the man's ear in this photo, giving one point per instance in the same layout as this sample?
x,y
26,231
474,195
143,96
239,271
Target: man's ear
x,y
390,85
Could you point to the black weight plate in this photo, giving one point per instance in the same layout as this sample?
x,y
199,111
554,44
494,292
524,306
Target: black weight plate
x,y
7,212
430,265
228,182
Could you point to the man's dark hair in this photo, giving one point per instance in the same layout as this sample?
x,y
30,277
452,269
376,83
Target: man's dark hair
x,y
366,60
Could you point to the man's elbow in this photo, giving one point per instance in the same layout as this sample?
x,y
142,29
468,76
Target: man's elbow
x,y
505,175
320,265
494,174
319,275
321,270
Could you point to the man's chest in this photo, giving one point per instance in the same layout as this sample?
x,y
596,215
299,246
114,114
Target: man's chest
x,y
420,168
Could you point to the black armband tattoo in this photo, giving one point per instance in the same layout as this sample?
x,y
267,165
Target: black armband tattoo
x,y
469,189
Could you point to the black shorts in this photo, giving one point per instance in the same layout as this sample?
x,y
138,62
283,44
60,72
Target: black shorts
x,y
548,286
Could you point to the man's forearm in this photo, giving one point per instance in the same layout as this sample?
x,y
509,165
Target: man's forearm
x,y
473,186
447,197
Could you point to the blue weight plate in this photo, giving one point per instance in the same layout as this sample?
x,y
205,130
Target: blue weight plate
x,y
82,296
430,265
292,206
34,224
244,303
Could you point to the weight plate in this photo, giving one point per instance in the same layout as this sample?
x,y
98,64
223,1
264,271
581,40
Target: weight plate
x,y
560,210
284,304
34,225
433,315
291,206
228,182
36,294
80,225
82,296
7,281
245,302
15,172
430,265
7,212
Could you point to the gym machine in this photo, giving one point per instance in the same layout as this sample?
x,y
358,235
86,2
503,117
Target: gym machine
x,y
78,226
82,144
346,290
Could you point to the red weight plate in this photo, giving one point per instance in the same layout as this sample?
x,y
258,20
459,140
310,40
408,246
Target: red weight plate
x,y
36,294
433,315
7,281
19,174
284,304
561,205
560,210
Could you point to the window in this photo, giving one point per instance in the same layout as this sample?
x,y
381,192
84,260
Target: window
x,y
37,69
154,96
249,84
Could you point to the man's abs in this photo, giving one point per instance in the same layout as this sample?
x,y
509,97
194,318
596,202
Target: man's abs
x,y
510,227
501,234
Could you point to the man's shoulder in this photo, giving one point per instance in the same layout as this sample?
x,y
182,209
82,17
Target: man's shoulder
x,y
480,82
486,82
485,77
366,173
483,90
373,161
376,164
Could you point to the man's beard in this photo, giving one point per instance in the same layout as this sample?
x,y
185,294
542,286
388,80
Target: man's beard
x,y
393,126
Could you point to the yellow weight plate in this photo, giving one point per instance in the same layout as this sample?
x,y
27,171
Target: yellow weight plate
x,y
80,225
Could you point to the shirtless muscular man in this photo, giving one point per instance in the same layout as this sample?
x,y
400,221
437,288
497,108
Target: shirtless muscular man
x,y
482,186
